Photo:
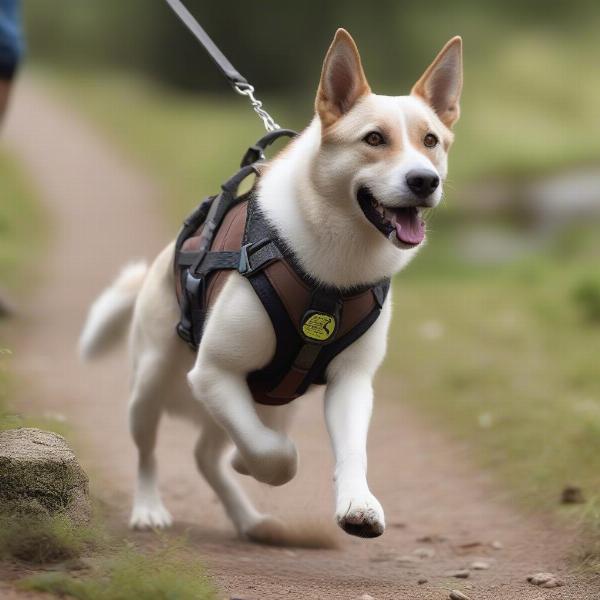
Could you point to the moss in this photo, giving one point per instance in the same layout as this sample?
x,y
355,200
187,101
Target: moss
x,y
167,574
38,468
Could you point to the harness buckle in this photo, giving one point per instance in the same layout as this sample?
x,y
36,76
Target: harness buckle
x,y
244,267
246,251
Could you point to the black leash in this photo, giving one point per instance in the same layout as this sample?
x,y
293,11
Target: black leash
x,y
237,81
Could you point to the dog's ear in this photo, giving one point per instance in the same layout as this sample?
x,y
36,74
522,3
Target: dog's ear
x,y
343,80
441,84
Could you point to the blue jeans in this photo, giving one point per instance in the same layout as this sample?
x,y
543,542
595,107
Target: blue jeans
x,y
11,37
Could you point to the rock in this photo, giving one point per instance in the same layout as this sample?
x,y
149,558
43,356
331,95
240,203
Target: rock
x,y
545,580
432,539
40,476
460,574
7,306
480,565
366,597
424,552
572,495
496,545
421,581
458,595
407,558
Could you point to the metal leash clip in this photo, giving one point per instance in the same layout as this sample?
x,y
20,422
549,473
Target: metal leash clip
x,y
245,89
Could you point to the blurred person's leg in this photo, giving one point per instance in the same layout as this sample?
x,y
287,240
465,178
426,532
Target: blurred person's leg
x,y
11,47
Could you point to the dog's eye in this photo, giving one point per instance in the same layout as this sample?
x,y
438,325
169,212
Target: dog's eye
x,y
374,138
431,140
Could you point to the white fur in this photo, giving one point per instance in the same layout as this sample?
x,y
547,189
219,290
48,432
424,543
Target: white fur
x,y
309,195
111,311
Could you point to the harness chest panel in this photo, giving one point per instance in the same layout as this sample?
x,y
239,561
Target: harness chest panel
x,y
312,323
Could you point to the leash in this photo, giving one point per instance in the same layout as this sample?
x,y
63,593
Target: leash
x,y
237,81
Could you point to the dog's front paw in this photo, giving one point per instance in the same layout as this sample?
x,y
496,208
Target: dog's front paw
x,y
150,516
272,459
362,517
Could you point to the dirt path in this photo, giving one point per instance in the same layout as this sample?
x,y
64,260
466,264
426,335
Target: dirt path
x,y
103,211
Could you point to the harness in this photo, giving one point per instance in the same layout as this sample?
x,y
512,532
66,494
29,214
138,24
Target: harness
x,y
313,323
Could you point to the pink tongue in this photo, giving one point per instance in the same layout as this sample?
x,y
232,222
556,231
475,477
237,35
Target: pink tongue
x,y
409,228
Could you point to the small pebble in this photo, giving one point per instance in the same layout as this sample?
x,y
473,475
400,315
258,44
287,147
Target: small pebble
x,y
480,565
460,574
424,552
496,545
422,580
545,580
407,558
366,597
457,595
432,539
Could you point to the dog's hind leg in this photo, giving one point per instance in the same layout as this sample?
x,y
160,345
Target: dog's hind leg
x,y
210,454
145,409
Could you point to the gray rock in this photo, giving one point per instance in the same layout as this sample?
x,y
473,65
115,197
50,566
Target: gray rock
x,y
545,580
460,574
40,476
458,595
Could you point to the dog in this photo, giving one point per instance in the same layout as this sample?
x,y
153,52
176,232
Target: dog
x,y
347,196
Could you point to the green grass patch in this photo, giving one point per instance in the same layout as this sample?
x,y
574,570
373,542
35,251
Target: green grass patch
x,y
506,358
21,238
20,224
166,574
41,540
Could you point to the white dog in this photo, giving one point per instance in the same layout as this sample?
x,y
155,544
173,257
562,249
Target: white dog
x,y
364,159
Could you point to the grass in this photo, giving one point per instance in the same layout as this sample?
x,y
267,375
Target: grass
x,y
165,574
21,239
506,359
20,224
39,541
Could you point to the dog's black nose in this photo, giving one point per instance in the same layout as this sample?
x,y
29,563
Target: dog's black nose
x,y
422,182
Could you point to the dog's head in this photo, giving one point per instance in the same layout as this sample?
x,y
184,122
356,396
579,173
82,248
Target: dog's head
x,y
386,156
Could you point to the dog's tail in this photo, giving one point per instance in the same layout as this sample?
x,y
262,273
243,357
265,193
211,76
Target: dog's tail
x,y
111,312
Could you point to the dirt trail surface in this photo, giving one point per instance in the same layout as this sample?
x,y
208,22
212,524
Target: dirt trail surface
x,y
102,212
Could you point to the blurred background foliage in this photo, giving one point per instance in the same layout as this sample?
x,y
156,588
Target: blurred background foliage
x,y
280,45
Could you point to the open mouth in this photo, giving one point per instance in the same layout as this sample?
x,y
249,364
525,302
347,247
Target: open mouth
x,y
406,221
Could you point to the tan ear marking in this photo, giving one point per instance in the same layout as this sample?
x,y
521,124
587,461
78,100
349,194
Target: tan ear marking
x,y
441,84
343,80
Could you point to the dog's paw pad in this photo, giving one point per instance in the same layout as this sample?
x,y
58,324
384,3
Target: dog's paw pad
x,y
144,518
363,523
